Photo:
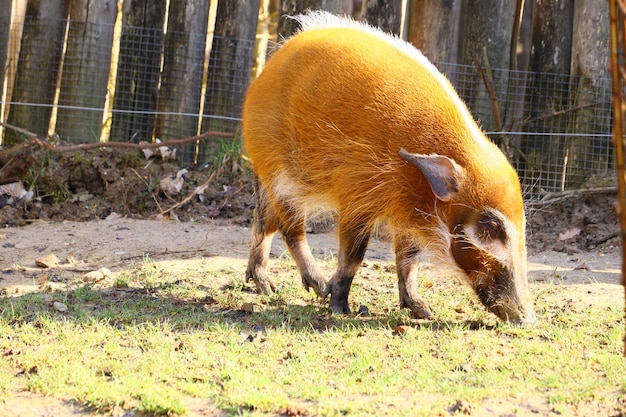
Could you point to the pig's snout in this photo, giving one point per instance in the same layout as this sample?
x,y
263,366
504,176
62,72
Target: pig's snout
x,y
507,305
497,273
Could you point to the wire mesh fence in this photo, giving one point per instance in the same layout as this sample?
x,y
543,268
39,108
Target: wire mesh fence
x,y
153,84
156,84
555,128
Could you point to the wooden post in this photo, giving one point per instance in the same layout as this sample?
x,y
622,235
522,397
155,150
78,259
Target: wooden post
x,y
548,92
590,52
387,15
5,26
485,26
183,66
434,28
13,33
136,87
287,27
5,31
38,67
230,65
86,70
230,62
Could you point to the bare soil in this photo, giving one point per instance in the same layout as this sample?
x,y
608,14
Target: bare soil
x,y
106,208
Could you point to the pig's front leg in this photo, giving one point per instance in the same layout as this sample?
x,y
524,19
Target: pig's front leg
x,y
407,269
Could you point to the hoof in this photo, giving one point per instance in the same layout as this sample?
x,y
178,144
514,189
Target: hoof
x,y
421,314
263,284
318,284
419,308
339,307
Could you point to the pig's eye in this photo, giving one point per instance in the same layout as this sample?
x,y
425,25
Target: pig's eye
x,y
490,228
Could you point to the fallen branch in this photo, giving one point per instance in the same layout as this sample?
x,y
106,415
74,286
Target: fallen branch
x,y
41,142
559,112
491,91
551,198
606,238
152,254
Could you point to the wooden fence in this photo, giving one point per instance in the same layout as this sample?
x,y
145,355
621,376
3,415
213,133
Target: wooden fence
x,y
89,73
86,71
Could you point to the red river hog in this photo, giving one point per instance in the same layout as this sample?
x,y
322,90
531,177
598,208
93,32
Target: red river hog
x,y
347,118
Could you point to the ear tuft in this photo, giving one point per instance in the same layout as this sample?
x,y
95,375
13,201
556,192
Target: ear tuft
x,y
442,173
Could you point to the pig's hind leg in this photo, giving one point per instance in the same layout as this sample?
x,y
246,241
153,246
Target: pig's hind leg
x,y
264,227
295,239
292,225
407,268
270,215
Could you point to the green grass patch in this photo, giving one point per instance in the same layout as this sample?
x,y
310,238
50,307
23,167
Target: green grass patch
x,y
152,340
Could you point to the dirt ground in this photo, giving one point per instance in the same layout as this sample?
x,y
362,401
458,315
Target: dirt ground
x,y
108,208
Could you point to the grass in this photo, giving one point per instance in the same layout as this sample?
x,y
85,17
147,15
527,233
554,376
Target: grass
x,y
152,340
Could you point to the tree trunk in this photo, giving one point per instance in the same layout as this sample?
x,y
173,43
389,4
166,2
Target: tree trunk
x,y
287,26
486,28
386,14
183,66
38,67
136,88
86,67
548,93
434,28
588,154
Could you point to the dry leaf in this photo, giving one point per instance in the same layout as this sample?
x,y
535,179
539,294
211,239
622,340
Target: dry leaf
x,y
398,331
16,190
172,185
97,276
569,233
249,307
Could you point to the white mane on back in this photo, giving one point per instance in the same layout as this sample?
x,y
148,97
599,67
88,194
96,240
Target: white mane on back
x,y
320,19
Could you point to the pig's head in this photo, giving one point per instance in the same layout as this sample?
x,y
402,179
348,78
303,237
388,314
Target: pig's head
x,y
491,251
482,210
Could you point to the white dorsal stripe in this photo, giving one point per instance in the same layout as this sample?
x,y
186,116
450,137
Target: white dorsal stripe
x,y
320,19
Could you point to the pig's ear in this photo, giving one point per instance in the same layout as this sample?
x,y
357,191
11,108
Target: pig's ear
x,y
443,174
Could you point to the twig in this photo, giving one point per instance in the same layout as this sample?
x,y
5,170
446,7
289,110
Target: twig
x,y
489,85
190,196
226,200
148,187
605,239
552,198
558,113
491,90
40,141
